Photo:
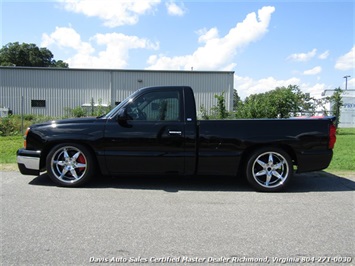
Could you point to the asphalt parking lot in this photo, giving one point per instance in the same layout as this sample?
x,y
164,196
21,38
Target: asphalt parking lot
x,y
176,220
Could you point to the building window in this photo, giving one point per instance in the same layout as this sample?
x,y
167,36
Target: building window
x,y
38,103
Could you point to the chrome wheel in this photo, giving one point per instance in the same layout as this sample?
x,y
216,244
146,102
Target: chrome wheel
x,y
269,169
69,165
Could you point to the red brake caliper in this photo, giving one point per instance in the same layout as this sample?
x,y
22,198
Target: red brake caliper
x,y
81,159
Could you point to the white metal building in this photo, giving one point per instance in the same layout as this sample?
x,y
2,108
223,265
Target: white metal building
x,y
48,91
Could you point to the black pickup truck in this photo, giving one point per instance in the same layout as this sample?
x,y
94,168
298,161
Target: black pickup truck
x,y
155,131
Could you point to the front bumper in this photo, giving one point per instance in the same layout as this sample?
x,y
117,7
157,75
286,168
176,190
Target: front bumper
x,y
28,162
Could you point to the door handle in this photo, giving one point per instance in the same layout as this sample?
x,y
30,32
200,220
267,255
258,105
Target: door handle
x,y
175,132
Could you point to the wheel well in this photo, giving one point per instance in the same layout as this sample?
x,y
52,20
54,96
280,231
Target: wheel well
x,y
50,146
249,151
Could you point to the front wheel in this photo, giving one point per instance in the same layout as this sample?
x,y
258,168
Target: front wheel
x,y
70,165
269,169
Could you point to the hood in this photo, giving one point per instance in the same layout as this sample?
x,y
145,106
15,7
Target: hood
x,y
75,121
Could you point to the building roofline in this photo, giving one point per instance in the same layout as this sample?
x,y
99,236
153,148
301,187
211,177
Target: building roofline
x,y
114,70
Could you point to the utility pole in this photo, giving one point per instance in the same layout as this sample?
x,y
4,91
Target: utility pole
x,y
346,81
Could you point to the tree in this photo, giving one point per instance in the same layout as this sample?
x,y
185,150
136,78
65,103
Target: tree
x,y
220,111
236,100
203,113
281,102
15,54
60,63
337,102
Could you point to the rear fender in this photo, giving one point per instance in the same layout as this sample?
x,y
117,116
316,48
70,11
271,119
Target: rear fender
x,y
249,151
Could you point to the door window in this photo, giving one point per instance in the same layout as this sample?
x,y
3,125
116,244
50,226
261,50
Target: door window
x,y
156,106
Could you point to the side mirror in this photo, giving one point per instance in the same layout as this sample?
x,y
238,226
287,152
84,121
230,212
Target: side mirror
x,y
123,117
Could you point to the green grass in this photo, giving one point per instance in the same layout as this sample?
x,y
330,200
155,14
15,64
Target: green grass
x,y
344,151
343,158
8,147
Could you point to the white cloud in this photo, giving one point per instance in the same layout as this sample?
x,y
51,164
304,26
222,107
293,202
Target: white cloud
x,y
351,84
115,54
324,55
217,52
65,37
314,71
206,35
315,90
174,9
246,86
114,13
346,62
302,57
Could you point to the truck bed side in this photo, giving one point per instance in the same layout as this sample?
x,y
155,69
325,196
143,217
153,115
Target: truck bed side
x,y
222,145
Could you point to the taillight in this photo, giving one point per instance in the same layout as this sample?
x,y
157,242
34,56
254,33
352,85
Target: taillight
x,y
25,137
332,136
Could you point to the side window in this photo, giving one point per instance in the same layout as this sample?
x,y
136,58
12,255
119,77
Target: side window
x,y
156,106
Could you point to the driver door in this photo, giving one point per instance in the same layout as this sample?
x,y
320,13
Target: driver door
x,y
152,140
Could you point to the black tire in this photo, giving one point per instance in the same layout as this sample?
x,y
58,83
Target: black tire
x,y
269,169
70,165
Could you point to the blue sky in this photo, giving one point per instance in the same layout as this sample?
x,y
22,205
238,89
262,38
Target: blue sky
x,y
266,43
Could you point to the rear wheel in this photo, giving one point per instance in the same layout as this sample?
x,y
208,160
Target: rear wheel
x,y
269,169
70,165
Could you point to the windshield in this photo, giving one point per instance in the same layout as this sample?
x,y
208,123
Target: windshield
x,y
114,111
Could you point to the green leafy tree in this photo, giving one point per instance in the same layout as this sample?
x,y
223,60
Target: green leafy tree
x,y
282,102
337,102
220,111
15,54
320,104
203,113
60,63
236,100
